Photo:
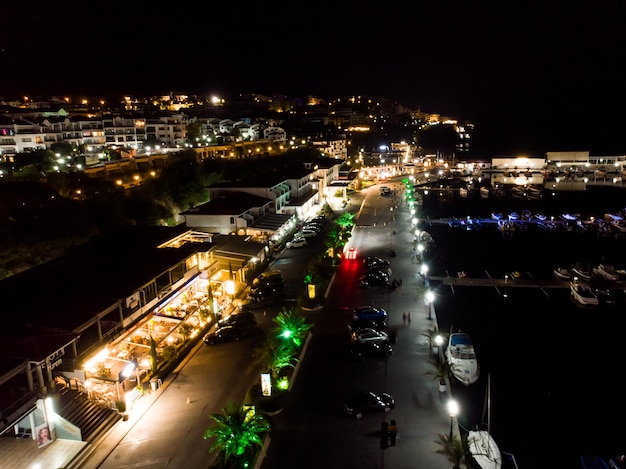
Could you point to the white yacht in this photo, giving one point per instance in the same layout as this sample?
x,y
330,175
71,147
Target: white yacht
x,y
461,358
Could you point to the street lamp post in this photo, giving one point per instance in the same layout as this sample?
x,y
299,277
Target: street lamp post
x,y
453,409
428,300
438,344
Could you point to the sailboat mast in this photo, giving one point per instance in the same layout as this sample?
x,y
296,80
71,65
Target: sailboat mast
x,y
487,406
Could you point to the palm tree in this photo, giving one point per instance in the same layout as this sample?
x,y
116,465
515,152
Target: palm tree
x,y
236,434
454,449
273,356
292,325
440,371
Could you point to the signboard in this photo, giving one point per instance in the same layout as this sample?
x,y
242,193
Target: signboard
x,y
44,437
266,384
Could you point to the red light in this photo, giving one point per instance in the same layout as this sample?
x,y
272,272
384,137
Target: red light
x,y
350,253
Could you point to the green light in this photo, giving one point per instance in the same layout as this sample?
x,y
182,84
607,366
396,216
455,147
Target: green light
x,y
282,383
287,333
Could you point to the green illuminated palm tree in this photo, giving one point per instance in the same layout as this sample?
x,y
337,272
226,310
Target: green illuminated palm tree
x,y
292,326
237,433
273,356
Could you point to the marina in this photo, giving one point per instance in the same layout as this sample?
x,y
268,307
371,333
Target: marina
x,y
504,292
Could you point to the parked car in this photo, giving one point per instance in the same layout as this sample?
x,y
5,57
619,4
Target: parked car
x,y
369,335
265,293
313,226
365,350
372,262
225,334
367,402
269,277
374,279
370,312
318,219
243,319
378,324
383,270
297,243
305,234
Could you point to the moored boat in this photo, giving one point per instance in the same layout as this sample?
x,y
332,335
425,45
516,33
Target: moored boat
x,y
482,446
562,273
461,358
582,270
606,272
593,462
583,294
484,192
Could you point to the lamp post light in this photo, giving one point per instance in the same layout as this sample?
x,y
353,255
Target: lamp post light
x,y
429,297
438,343
453,410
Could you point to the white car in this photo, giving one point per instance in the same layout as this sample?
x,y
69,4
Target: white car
x,y
369,335
297,243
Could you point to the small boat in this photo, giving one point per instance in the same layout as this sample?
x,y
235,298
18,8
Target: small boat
x,y
593,462
463,192
484,192
496,216
583,294
462,359
518,192
506,227
606,272
514,216
582,271
562,273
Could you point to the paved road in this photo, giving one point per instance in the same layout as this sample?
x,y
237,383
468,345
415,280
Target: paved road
x,y
310,433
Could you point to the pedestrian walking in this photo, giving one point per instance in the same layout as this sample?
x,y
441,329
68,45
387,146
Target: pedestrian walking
x,y
408,318
404,318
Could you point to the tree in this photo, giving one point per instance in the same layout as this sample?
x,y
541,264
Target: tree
x,y
273,356
440,371
455,449
292,326
236,435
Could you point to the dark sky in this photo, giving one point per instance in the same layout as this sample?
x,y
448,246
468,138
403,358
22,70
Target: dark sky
x,y
532,75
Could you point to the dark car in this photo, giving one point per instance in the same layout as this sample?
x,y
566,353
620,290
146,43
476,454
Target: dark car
x,y
367,350
382,270
243,319
370,312
374,279
377,324
369,335
365,402
372,262
266,293
225,334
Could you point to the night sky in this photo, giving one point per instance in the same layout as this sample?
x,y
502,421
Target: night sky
x,y
534,76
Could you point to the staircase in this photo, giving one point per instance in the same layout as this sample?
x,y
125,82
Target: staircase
x,y
92,417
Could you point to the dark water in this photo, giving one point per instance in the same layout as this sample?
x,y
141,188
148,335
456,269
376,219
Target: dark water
x,y
556,369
